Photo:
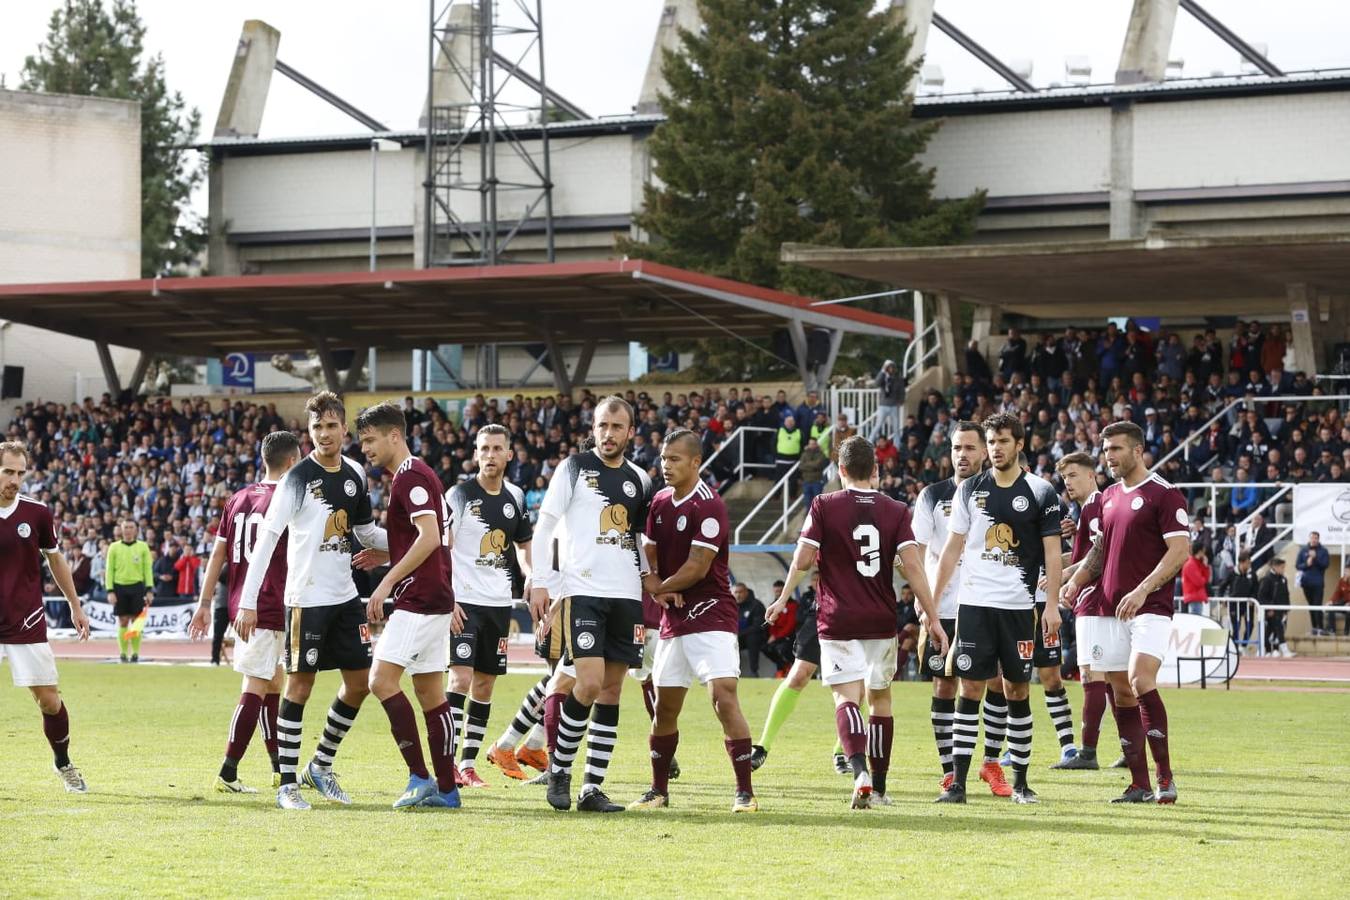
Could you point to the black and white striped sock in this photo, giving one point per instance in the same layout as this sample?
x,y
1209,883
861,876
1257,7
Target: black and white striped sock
x,y
456,701
995,723
965,733
530,712
1019,739
289,717
1061,714
341,717
942,713
572,720
475,729
600,741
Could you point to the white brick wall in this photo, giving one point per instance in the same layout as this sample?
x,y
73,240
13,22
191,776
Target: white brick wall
x,y
70,210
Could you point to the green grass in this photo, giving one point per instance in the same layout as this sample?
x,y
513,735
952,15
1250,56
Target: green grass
x,y
1262,781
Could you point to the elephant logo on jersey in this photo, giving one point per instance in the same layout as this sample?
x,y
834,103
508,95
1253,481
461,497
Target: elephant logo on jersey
x,y
614,527
336,526
1000,536
492,549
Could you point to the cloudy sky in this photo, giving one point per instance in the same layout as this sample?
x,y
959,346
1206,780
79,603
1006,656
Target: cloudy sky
x,y
597,50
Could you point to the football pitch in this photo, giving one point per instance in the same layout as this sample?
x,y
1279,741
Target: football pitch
x,y
1261,774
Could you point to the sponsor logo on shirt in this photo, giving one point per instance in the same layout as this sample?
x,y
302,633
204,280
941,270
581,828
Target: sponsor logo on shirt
x,y
336,527
492,550
999,543
614,530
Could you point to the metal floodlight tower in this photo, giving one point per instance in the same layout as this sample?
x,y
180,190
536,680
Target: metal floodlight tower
x,y
479,94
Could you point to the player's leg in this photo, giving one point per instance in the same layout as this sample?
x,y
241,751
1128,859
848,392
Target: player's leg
x,y
34,666
974,660
464,649
346,648
385,676
1130,726
429,686
574,713
247,714
1061,715
301,658
1017,632
807,651
477,713
528,715
267,719
1149,636
1095,693
849,724
942,708
882,661
672,672
722,690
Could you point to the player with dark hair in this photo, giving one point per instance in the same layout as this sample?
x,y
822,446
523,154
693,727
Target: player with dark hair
x,y
418,581
1145,539
858,536
27,535
932,511
489,535
1004,527
686,543
258,659
1078,470
601,499
320,503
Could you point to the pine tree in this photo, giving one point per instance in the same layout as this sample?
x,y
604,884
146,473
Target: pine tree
x,y
94,51
788,121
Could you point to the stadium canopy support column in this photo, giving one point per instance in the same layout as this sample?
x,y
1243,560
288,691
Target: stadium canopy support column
x,y
109,370
949,333
330,375
984,324
583,368
142,366
354,372
917,18
444,363
798,335
559,363
1302,310
1148,40
824,372
1124,213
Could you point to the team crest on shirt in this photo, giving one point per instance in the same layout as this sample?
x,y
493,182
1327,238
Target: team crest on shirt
x,y
630,489
1020,504
1137,503
23,530
349,488
681,523
509,511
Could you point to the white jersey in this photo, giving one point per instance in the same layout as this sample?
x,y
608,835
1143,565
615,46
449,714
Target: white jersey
x,y
602,511
318,508
486,529
1005,530
932,510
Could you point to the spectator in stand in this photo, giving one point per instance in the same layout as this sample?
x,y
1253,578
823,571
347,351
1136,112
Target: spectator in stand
x,y
780,635
534,497
788,446
819,427
1273,590
807,411
811,469
1012,359
1195,581
1245,497
166,572
1242,583
891,385
521,471
750,633
1340,597
1048,362
186,565
1313,561
1260,539
977,365
842,432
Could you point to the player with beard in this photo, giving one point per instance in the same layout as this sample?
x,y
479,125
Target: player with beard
x,y
1078,470
600,498
932,510
1144,541
258,659
489,536
859,536
1005,526
687,539
27,535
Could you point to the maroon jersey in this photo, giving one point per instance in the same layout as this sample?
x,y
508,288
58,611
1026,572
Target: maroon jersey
x,y
239,523
416,492
26,530
677,525
1089,602
858,533
1136,523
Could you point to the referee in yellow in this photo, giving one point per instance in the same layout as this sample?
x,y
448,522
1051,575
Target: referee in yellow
x,y
131,581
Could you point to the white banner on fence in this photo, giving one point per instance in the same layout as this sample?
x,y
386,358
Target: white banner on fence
x,y
170,619
1185,642
1324,508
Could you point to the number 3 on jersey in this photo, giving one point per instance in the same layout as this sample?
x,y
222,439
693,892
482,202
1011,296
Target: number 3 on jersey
x,y
245,536
869,548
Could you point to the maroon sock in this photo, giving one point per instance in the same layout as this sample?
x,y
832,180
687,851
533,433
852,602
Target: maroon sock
x,y
1154,715
57,729
849,721
880,736
403,724
739,751
552,710
663,751
268,722
441,738
1094,707
1131,729
242,725
649,698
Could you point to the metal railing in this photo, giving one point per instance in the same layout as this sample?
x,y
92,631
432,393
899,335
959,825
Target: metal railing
x,y
911,367
738,438
1282,530
1251,403
859,403
1258,610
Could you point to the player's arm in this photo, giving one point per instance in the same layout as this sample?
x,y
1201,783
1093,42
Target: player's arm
x,y
372,535
693,571
910,558
547,582
197,628
1088,569
428,542
1054,575
803,559
523,559
61,574
1167,568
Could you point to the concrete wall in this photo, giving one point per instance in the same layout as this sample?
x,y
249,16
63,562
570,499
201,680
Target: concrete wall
x,y
70,209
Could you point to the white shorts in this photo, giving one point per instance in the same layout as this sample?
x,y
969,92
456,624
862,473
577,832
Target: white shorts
x,y
704,656
1103,643
259,656
649,645
872,661
31,665
418,643
1150,634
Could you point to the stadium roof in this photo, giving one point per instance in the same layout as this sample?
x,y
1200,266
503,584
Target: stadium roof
x,y
1154,276
617,300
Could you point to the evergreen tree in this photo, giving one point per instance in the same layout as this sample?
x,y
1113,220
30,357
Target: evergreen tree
x,y
94,51
788,121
